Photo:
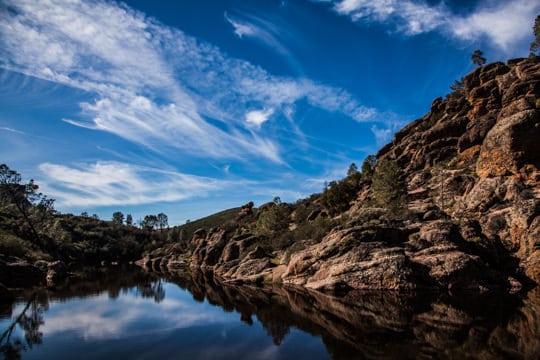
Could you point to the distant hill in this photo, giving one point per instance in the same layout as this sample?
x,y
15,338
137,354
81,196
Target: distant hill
x,y
208,222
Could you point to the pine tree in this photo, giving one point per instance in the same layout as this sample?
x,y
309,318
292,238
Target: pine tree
x,y
388,186
477,58
118,217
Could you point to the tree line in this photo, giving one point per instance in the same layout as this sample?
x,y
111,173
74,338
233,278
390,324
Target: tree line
x,y
150,222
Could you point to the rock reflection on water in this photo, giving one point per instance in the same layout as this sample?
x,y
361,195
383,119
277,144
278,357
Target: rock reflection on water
x,y
387,324
358,325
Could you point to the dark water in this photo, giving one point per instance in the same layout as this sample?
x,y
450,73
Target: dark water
x,y
130,314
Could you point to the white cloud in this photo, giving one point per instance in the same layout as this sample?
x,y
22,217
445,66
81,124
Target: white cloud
x,y
258,117
241,29
384,131
382,135
12,130
503,24
113,183
266,32
413,17
152,84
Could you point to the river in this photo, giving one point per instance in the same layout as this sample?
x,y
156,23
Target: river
x,y
126,313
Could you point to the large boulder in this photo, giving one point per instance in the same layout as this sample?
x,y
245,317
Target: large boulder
x,y
207,250
511,144
56,271
215,242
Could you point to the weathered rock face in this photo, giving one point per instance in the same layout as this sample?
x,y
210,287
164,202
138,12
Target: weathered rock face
x,y
510,145
473,171
231,258
56,271
357,258
210,249
491,176
472,167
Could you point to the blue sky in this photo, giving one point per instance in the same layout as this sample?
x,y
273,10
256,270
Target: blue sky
x,y
190,107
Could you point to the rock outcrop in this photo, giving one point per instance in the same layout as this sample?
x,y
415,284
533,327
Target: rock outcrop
x,y
379,258
56,272
472,220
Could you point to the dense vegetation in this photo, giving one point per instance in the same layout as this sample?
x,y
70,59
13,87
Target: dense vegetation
x,y
31,229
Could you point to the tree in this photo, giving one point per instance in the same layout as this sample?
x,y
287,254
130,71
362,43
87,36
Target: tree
x,y
118,217
477,58
535,45
273,221
162,221
338,195
388,186
353,170
34,207
354,177
458,88
129,220
149,222
368,167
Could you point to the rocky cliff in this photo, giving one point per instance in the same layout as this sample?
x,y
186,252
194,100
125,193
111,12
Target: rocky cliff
x,y
472,218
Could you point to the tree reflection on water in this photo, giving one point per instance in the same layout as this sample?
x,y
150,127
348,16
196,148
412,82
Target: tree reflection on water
x,y
152,290
29,320
89,283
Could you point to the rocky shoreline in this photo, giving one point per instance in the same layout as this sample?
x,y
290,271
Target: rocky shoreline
x,y
472,221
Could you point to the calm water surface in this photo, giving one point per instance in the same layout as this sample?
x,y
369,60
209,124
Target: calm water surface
x,y
127,313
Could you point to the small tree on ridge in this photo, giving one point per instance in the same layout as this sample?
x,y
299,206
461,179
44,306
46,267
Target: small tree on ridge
x,y
477,58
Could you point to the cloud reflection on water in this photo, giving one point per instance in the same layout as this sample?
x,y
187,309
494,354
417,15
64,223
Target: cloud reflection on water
x,y
101,317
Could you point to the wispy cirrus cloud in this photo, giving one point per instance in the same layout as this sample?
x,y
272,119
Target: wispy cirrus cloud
x,y
3,128
114,183
152,84
413,18
503,22
242,29
263,30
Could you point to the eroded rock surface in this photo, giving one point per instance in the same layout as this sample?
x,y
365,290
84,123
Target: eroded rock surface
x,y
472,168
